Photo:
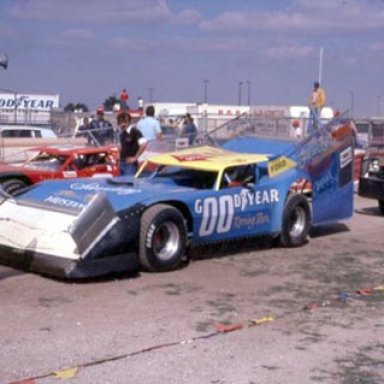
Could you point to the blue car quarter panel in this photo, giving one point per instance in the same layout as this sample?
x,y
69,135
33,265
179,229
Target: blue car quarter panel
x,y
327,157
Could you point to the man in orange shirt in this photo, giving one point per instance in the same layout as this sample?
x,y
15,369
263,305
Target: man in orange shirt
x,y
316,103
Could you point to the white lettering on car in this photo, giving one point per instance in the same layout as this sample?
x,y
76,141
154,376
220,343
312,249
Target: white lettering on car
x,y
62,202
225,221
96,187
210,212
218,213
150,233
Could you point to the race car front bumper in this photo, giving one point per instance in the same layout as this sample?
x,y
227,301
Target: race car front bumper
x,y
62,243
51,265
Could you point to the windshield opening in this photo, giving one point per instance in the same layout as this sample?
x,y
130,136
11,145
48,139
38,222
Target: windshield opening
x,y
187,177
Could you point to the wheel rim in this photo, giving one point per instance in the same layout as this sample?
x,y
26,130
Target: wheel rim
x,y
297,222
166,240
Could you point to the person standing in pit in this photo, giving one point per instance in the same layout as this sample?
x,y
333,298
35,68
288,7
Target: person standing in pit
x,y
149,126
132,145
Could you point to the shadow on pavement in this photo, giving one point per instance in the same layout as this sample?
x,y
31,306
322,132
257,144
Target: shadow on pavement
x,y
328,229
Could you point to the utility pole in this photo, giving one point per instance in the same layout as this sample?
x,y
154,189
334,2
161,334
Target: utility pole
x,y
240,88
206,81
249,92
352,102
150,90
3,60
321,65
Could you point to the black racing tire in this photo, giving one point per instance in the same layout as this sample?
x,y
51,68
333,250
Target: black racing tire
x,y
296,221
12,186
381,206
163,238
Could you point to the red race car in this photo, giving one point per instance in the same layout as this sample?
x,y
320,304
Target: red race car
x,y
58,162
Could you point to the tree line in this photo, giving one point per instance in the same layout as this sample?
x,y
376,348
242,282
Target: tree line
x,y
108,105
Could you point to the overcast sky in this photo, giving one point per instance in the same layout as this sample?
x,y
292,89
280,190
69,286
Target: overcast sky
x,y
86,51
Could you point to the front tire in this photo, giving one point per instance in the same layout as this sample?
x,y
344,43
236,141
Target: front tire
x,y
163,237
296,221
12,186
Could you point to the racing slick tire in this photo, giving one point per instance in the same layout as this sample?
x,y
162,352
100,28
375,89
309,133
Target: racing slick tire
x,y
381,206
296,221
163,238
12,186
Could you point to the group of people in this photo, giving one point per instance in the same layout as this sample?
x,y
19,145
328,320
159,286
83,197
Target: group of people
x,y
99,131
132,139
123,100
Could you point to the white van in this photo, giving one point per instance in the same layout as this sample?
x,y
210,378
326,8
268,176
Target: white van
x,y
26,131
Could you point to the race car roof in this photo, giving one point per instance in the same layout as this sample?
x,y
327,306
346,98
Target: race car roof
x,y
206,158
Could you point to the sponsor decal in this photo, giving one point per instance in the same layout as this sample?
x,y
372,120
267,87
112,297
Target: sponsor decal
x,y
279,165
324,142
63,202
39,102
345,157
69,174
315,147
96,187
218,213
327,181
191,157
250,222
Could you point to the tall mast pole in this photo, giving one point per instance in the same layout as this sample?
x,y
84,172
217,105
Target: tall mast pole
x,y
321,65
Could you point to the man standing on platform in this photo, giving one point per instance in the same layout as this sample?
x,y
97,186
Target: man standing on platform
x,y
316,102
124,100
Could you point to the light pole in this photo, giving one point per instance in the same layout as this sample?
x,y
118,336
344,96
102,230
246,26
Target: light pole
x,y
378,105
206,81
352,102
240,87
4,60
14,93
150,90
249,92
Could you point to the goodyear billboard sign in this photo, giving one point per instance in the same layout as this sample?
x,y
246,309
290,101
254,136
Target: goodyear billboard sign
x,y
11,101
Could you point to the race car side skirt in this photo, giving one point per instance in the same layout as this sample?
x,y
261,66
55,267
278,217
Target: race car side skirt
x,y
68,269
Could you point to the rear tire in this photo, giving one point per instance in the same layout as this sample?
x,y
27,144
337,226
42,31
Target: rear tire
x,y
163,237
296,221
381,206
12,186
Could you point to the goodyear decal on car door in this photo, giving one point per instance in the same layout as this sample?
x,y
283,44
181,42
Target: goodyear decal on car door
x,y
219,213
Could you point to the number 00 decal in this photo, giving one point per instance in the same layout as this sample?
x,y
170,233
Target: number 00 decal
x,y
217,215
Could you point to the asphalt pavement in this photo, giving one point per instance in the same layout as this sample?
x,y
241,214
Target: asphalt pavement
x,y
243,313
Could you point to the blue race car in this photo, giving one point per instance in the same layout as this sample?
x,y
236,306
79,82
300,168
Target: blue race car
x,y
90,227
